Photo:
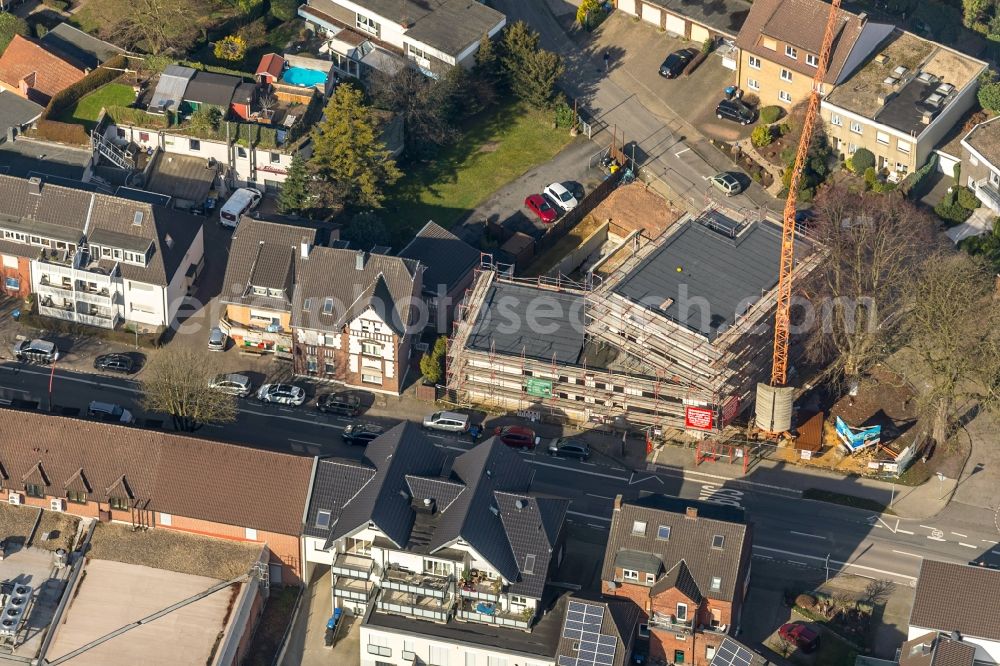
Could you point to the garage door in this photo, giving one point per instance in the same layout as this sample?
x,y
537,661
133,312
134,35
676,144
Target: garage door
x,y
627,6
651,14
675,25
698,33
274,572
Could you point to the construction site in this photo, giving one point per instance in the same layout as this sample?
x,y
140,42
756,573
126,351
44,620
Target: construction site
x,y
671,332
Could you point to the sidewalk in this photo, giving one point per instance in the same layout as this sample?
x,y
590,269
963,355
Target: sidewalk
x,y
908,502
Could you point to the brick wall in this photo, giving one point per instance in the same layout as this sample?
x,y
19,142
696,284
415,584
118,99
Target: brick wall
x,y
20,270
638,594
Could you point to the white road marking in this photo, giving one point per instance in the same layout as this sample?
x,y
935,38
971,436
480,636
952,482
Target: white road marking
x,y
967,545
302,441
844,564
604,497
936,538
596,527
764,557
454,448
880,527
589,515
928,527
901,531
903,552
806,534
995,552
959,534
681,152
578,471
272,415
801,564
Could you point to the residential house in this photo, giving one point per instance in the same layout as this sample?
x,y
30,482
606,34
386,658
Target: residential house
x,y
79,47
448,263
30,70
16,114
780,43
433,36
354,316
981,162
606,628
695,21
160,480
208,89
958,598
686,565
937,649
170,88
901,101
261,274
94,258
446,558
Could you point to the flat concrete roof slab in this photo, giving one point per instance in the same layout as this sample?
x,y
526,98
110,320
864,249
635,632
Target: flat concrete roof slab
x,y
114,594
32,566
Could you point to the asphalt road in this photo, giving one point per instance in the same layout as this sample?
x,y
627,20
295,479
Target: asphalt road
x,y
800,533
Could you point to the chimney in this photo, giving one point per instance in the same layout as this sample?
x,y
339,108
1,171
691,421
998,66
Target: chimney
x,y
618,498
691,512
955,636
359,260
863,17
169,240
304,248
35,185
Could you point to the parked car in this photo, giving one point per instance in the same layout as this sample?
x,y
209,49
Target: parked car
x,y
561,196
447,421
345,404
541,207
516,437
282,394
217,340
240,203
566,447
114,363
233,384
36,351
802,636
727,184
361,433
675,63
735,110
108,411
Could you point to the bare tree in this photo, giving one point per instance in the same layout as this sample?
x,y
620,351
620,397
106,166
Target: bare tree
x,y
873,244
176,382
156,26
419,100
781,645
953,328
878,591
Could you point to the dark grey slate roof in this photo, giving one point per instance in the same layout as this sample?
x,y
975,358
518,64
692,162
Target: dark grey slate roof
x,y
385,284
15,111
725,16
336,482
181,177
540,323
26,156
448,259
385,500
523,517
680,577
690,540
700,265
642,562
267,252
73,44
212,88
442,491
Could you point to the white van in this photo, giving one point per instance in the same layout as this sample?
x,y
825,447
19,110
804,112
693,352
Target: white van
x,y
240,203
447,421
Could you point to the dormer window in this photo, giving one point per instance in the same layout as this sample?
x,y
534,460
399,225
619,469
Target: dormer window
x,y
716,584
260,291
638,528
718,541
812,60
275,293
306,304
118,503
328,306
34,490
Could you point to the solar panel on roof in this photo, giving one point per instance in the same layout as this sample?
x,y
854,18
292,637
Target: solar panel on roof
x,y
583,625
732,653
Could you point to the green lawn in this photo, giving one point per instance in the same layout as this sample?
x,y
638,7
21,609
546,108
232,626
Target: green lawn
x,y
494,149
85,111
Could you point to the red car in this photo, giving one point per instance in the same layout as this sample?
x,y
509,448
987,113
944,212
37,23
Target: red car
x,y
516,437
801,635
541,207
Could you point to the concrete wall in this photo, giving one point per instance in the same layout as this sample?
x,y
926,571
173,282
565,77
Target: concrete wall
x,y
574,259
393,645
243,620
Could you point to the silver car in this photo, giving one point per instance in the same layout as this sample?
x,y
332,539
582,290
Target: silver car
x,y
282,394
233,384
727,184
217,340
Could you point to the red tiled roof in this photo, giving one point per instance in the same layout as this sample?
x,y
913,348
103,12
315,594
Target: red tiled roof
x,y
48,73
271,64
182,476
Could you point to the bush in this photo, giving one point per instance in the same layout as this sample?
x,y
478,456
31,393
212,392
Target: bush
x,y
564,116
58,5
708,45
870,177
254,34
761,136
432,362
784,128
11,25
862,160
231,48
40,30
967,199
284,10
770,114
950,212
913,185
989,96
806,601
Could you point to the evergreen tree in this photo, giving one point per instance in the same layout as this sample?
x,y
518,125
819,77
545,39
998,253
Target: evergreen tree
x,y
294,196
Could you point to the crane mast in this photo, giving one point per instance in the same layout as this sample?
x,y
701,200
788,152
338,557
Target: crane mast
x,y
782,316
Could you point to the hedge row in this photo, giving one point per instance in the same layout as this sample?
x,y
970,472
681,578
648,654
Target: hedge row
x,y
215,69
127,115
66,98
915,184
53,130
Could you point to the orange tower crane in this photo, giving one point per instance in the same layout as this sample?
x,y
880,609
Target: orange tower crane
x,y
774,400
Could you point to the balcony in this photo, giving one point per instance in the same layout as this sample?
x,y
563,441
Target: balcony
x,y
353,566
101,320
484,612
482,590
988,193
669,622
94,297
412,605
354,589
427,585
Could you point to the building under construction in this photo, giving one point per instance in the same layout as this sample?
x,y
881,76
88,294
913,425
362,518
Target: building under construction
x,y
670,332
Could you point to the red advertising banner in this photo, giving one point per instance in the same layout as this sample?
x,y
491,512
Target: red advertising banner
x,y
730,409
698,418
